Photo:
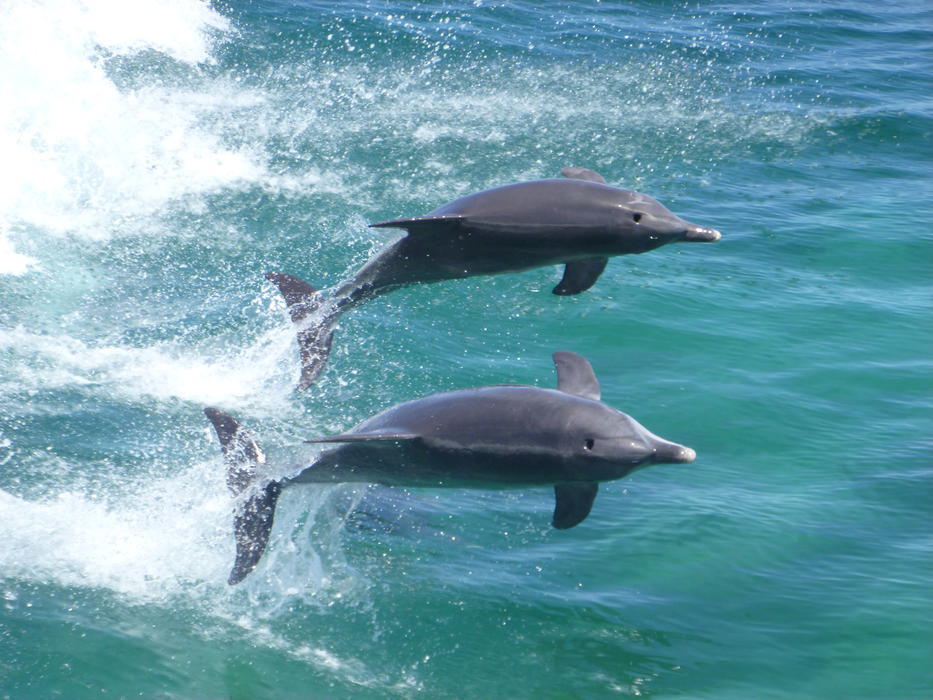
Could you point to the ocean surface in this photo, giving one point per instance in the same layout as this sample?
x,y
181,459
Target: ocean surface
x,y
160,156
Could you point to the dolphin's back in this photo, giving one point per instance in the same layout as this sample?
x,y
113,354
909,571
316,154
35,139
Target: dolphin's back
x,y
540,205
496,418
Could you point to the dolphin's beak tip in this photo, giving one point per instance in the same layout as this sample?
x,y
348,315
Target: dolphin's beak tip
x,y
702,235
672,453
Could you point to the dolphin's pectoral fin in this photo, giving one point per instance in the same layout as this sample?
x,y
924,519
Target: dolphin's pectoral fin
x,y
314,343
367,437
252,521
573,503
583,174
575,375
252,525
423,224
580,275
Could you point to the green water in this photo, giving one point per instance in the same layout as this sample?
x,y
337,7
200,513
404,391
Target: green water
x,y
159,159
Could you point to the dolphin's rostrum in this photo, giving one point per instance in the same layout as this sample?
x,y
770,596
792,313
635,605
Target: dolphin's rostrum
x,y
579,222
485,437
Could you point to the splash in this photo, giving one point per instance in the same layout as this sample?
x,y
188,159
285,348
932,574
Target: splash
x,y
164,539
164,372
11,262
170,540
84,156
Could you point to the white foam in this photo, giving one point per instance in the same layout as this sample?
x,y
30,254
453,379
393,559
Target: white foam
x,y
83,156
161,540
260,373
178,28
11,262
167,537
165,541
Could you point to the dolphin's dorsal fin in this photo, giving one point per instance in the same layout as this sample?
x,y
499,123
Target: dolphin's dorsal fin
x,y
423,224
580,275
575,375
573,503
583,174
366,437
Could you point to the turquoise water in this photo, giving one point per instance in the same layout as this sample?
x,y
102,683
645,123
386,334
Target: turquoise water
x,y
160,156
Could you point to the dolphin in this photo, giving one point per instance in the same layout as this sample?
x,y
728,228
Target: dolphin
x,y
496,437
578,221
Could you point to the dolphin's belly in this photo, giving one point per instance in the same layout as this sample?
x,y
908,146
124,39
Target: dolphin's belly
x,y
472,250
418,464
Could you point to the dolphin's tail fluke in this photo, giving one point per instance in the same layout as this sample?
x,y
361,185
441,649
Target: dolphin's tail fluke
x,y
253,519
252,525
314,341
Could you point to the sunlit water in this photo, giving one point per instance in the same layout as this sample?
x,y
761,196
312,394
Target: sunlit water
x,y
159,157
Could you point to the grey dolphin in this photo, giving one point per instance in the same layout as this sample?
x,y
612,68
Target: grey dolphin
x,y
579,222
487,437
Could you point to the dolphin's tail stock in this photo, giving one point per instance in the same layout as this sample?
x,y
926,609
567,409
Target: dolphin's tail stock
x,y
252,521
314,341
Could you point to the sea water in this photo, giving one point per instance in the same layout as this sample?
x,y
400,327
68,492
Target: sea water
x,y
160,156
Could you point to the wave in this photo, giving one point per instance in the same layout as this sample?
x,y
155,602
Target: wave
x,y
81,154
165,372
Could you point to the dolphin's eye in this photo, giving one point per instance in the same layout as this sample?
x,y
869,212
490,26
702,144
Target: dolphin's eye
x,y
636,217
588,444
